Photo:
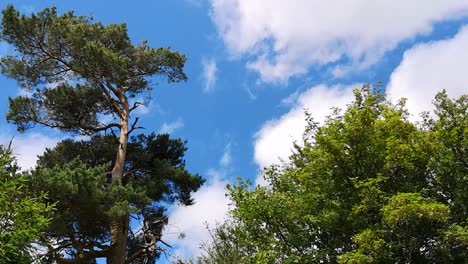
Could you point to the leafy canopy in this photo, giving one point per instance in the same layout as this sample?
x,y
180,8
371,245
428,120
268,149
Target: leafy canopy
x,y
22,218
367,186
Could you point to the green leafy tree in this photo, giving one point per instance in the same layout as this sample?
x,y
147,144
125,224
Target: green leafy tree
x,y
22,218
77,72
225,245
367,186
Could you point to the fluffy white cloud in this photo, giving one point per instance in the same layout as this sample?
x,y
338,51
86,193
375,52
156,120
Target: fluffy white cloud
x,y
211,206
274,141
210,70
427,69
172,126
26,148
285,38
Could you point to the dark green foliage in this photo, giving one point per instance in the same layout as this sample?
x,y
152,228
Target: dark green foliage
x,y
88,78
23,218
74,173
368,186
154,162
69,108
449,135
86,60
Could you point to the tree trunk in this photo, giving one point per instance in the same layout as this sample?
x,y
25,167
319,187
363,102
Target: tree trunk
x,y
119,225
119,232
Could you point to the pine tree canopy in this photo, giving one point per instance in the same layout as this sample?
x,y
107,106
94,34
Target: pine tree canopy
x,y
86,78
76,174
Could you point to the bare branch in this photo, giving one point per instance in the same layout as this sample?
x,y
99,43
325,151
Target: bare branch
x,y
135,106
146,249
133,127
110,87
81,127
83,255
115,103
166,244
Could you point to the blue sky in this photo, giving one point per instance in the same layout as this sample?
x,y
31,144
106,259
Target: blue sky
x,y
254,65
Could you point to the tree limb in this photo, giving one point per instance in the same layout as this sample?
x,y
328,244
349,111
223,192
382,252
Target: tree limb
x,y
133,127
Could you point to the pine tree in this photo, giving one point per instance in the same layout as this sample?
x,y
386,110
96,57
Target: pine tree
x,y
77,71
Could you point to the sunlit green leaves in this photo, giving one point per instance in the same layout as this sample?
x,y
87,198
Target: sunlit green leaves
x,y
368,186
23,217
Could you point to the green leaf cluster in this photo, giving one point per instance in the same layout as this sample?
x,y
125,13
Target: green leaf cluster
x,y
23,218
367,186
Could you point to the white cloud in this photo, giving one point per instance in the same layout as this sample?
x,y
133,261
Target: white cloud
x,y
274,141
211,206
26,148
210,69
286,38
291,99
427,69
251,95
226,159
171,127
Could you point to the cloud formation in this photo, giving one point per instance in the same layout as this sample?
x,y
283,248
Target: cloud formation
x,y
169,128
210,70
211,206
26,148
429,68
425,70
285,39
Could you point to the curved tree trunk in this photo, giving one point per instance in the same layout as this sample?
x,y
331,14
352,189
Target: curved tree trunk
x,y
119,225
